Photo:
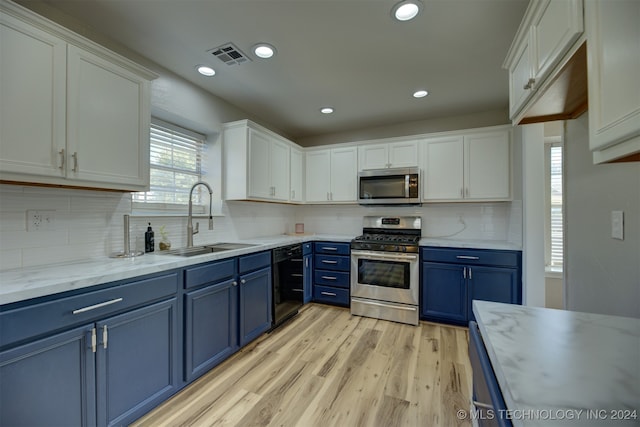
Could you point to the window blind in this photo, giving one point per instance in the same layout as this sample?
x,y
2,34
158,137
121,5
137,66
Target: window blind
x,y
555,205
175,164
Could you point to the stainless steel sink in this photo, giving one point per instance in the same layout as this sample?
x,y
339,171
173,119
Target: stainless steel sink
x,y
206,249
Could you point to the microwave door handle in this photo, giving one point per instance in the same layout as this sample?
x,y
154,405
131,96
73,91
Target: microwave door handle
x,y
406,185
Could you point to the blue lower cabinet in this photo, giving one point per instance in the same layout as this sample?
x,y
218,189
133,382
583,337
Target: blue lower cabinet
x,y
136,362
49,382
444,293
307,280
332,273
211,327
331,295
255,304
452,278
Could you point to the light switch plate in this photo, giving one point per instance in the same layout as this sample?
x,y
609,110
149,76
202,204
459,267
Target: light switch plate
x,y
617,225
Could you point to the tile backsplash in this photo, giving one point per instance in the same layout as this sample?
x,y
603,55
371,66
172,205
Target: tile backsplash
x,y
89,224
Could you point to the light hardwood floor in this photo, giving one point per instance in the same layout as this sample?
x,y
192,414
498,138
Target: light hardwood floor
x,y
328,368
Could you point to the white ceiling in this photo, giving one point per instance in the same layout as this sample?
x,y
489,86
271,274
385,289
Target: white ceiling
x,y
349,54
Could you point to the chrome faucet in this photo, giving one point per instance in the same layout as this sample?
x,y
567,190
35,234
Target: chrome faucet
x,y
190,229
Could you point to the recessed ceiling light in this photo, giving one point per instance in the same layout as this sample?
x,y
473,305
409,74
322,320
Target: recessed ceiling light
x,y
264,50
406,10
420,94
326,110
205,70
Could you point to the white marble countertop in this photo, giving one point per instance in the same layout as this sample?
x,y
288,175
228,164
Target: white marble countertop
x,y
32,282
560,368
470,244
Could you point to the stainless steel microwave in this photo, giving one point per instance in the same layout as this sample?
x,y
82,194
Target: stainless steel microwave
x,y
400,186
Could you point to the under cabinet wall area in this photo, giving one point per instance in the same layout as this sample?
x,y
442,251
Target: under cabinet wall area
x,y
60,135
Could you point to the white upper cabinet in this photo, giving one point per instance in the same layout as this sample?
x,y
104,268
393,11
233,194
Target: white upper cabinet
x,y
388,155
549,29
297,176
613,45
331,175
256,163
470,167
72,113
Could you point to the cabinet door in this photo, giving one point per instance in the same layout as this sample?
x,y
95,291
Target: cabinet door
x,y
49,382
558,26
296,176
32,128
307,278
344,174
520,89
488,166
136,362
211,327
613,33
108,122
443,168
255,304
279,169
444,292
318,182
259,165
495,284
373,156
403,154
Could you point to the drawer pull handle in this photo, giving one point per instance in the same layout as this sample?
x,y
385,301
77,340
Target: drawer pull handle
x,y
95,306
329,278
324,261
329,248
482,405
297,290
296,275
329,294
468,257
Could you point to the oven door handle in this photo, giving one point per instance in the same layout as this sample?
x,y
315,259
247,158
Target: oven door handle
x,y
384,256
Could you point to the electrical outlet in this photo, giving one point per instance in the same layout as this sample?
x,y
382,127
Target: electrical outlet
x,y
617,225
41,220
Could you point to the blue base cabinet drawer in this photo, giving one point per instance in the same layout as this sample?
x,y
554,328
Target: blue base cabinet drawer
x,y
332,248
332,262
339,279
330,295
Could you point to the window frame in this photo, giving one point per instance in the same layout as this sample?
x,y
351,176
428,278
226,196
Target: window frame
x,y
552,270
141,208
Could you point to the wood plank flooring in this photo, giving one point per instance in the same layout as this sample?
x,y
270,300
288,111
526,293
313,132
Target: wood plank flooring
x,y
328,368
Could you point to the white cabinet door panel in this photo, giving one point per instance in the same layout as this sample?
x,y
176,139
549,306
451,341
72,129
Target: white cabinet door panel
x,y
403,154
106,127
519,87
279,168
344,174
488,160
443,168
259,165
373,156
613,32
32,99
318,175
296,175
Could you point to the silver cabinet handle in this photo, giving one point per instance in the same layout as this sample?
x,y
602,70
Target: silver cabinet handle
x,y
95,306
296,275
462,192
464,272
329,294
324,261
234,283
297,290
529,84
329,248
75,161
329,278
470,274
61,152
94,340
306,263
467,257
482,405
466,191
242,281
379,304
105,336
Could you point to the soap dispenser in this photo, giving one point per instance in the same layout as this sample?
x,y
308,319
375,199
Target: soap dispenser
x,y
148,240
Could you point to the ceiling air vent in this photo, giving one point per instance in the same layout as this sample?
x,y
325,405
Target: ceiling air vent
x,y
229,54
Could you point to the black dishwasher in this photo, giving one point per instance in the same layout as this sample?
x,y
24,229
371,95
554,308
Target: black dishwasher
x,y
287,283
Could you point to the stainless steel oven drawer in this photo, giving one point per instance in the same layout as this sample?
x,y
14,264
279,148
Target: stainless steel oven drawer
x,y
402,313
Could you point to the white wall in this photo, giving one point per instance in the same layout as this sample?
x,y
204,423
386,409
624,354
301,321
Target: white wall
x,y
602,274
533,221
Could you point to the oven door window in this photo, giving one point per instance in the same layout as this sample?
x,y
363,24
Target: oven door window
x,y
390,274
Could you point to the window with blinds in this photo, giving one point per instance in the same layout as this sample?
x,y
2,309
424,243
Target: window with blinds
x,y
175,164
554,214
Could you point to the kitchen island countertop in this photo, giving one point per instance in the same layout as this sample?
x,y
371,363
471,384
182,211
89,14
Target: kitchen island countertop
x,y
558,367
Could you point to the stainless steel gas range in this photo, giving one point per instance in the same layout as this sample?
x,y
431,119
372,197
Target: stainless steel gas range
x,y
384,269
